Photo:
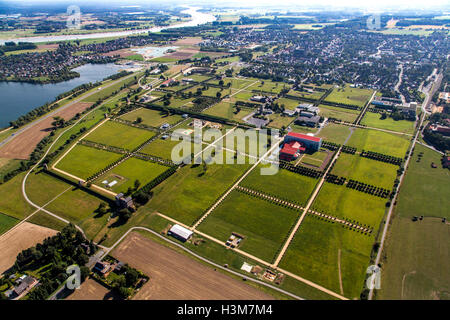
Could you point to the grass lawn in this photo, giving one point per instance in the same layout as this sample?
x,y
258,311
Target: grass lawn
x,y
425,189
277,120
188,193
316,159
12,202
42,187
153,118
119,135
43,219
372,119
264,224
84,161
377,173
381,142
351,96
235,83
416,263
8,165
335,133
316,95
227,110
128,172
163,148
289,104
6,223
343,114
285,184
101,93
314,255
269,86
343,202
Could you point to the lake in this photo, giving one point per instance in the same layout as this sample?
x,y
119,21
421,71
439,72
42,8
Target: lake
x,y
19,98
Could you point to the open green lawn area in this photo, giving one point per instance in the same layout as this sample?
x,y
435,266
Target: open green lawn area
x,y
13,203
240,94
128,172
226,110
163,148
289,104
177,102
101,92
84,161
277,120
302,129
119,135
212,92
347,115
42,187
417,257
335,133
264,225
372,119
188,193
343,202
284,184
425,190
269,86
314,254
382,142
153,118
198,77
6,222
45,220
236,83
376,173
316,159
348,95
316,95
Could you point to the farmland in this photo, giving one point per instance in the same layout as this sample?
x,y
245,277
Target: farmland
x,y
350,96
150,117
347,115
373,120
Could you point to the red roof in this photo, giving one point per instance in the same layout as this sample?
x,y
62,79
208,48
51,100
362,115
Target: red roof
x,y
303,136
292,148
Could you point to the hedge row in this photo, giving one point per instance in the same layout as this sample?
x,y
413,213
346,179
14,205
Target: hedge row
x,y
304,171
330,145
163,176
381,157
348,149
332,178
369,189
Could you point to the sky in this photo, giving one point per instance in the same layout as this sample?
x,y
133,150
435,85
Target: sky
x,y
360,4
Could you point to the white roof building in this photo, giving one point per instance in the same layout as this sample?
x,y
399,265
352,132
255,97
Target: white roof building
x,y
180,232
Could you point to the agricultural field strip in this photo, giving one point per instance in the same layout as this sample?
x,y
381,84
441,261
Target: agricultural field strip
x,y
245,254
235,184
298,207
363,112
306,209
371,128
215,265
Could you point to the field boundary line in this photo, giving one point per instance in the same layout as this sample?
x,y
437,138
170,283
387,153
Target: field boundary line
x,y
339,270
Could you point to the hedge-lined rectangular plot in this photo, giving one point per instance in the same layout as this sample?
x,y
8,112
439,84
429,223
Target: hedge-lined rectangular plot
x,y
343,202
126,173
382,142
372,119
83,161
153,118
187,194
376,173
321,250
227,110
163,148
348,95
284,184
335,133
347,115
119,135
263,224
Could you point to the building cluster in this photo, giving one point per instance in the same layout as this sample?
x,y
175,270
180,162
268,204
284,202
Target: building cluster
x,y
295,144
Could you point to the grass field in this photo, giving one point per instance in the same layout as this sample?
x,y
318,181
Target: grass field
x,y
153,118
102,93
13,203
277,120
416,261
42,187
163,148
348,95
45,220
377,173
372,119
314,255
6,222
381,142
343,202
316,159
343,114
335,133
84,161
269,86
285,185
227,110
264,225
316,95
119,135
188,193
128,172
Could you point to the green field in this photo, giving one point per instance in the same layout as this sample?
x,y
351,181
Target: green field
x,y
316,159
45,220
13,203
335,133
289,104
227,110
6,222
343,202
128,172
343,114
314,255
284,185
269,86
102,93
188,193
119,135
277,120
372,119
153,118
84,161
263,224
376,173
42,187
348,95
381,142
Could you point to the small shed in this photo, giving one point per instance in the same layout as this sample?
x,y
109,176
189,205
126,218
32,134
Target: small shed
x,y
180,232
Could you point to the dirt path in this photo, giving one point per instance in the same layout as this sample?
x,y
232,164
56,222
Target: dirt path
x,y
174,276
340,274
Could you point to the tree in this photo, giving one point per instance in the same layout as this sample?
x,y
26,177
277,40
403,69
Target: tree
x,y
138,120
84,273
58,122
137,183
218,95
131,276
